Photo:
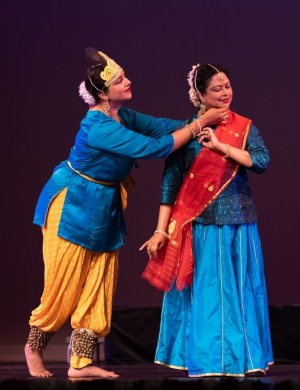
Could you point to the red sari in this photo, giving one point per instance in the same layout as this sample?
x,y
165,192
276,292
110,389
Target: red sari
x,y
208,176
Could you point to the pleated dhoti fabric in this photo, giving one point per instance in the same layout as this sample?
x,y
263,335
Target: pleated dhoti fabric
x,y
78,283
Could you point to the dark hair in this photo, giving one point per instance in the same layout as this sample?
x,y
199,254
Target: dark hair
x,y
93,82
204,73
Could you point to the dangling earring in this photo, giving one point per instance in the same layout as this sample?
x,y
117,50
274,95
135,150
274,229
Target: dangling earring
x,y
104,102
106,106
202,109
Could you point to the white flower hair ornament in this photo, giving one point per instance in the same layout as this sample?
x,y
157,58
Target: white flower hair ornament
x,y
193,92
85,95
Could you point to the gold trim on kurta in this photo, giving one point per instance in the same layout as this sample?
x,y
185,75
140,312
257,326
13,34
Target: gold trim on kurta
x,y
104,183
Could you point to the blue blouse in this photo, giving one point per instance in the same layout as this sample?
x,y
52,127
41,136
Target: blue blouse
x,y
235,204
104,150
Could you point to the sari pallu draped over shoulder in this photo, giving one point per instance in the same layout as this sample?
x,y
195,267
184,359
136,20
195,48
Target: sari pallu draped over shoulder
x,y
208,176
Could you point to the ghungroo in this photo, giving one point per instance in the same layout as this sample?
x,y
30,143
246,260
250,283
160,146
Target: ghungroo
x,y
38,339
83,343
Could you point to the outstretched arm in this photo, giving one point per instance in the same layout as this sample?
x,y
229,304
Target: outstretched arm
x,y
156,127
160,236
174,171
109,135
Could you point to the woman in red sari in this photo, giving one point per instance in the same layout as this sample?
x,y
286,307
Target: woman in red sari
x,y
206,252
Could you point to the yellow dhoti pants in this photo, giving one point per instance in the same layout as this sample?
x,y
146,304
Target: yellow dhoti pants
x,y
78,282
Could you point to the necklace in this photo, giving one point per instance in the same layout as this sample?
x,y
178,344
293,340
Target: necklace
x,y
113,116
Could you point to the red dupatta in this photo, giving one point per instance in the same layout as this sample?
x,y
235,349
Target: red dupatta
x,y
208,176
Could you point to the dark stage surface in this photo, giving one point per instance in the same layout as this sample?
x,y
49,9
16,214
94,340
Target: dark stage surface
x,y
147,376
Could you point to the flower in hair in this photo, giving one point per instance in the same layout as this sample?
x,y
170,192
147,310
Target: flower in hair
x,y
193,93
85,95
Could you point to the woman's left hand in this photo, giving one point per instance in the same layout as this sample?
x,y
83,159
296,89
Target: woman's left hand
x,y
208,139
154,244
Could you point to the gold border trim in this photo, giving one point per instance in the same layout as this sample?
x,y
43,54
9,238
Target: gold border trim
x,y
215,373
170,365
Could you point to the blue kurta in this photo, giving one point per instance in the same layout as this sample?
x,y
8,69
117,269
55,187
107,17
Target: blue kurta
x,y
104,150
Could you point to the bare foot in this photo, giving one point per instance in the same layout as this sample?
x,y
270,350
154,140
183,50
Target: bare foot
x,y
35,363
91,371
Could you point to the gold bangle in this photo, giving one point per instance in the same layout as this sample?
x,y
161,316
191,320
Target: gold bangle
x,y
227,151
191,130
199,126
162,232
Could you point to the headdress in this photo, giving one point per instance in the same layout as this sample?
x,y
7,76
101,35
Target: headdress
x,y
111,69
108,72
194,92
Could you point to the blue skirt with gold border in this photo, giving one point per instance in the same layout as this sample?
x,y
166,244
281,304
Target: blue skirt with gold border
x,y
219,326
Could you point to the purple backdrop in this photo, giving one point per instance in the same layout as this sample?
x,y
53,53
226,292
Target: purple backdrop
x,y
156,42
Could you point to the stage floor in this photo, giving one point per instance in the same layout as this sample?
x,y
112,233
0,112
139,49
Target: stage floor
x,y
146,376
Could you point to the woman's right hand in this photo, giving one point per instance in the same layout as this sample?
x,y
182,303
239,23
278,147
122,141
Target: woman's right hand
x,y
154,244
214,116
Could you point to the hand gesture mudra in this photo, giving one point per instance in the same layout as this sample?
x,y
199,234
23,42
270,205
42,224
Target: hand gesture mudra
x,y
208,139
154,244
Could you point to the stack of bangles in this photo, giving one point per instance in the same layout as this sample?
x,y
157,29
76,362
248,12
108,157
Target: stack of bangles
x,y
228,151
194,134
162,232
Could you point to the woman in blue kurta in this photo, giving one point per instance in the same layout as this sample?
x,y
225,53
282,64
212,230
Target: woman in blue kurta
x,y
80,212
216,321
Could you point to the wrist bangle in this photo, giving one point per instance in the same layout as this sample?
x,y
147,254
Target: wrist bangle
x,y
199,126
162,232
191,130
227,151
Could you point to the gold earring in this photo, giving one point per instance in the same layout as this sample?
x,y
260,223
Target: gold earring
x,y
106,106
202,109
